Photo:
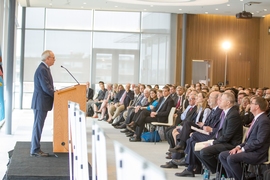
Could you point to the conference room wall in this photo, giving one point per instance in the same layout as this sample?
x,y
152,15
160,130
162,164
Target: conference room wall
x,y
264,58
205,35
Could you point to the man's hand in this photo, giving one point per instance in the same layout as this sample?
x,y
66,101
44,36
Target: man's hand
x,y
235,150
200,124
137,109
153,114
207,128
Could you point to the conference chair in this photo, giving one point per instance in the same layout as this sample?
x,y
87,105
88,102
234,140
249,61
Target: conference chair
x,y
170,122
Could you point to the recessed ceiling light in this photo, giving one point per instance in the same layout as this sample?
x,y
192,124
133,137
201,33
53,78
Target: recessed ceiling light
x,y
84,3
216,9
180,9
50,4
145,9
82,7
241,0
265,9
263,16
228,5
151,5
115,6
206,12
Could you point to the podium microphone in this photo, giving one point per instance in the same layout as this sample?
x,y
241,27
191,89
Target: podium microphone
x,y
70,74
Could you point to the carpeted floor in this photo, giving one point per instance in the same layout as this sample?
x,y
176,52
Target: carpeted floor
x,y
23,166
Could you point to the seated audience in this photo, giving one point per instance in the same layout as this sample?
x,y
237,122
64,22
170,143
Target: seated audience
x,y
254,150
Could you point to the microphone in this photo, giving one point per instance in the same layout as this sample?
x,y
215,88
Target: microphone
x,y
70,74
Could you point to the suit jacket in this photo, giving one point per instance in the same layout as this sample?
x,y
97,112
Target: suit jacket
x,y
174,97
129,97
137,100
90,94
231,131
43,89
258,141
213,120
164,111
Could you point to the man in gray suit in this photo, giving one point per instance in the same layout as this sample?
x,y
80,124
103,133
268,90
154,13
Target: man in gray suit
x,y
42,100
254,150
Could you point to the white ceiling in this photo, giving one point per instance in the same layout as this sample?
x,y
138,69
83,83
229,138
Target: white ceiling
x,y
221,7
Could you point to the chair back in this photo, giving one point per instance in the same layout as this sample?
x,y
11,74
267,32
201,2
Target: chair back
x,y
245,130
268,162
170,118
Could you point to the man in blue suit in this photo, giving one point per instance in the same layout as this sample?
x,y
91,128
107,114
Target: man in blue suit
x,y
255,148
42,100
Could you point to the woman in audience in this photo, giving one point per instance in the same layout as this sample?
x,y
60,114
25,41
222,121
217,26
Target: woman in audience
x,y
153,101
244,111
203,109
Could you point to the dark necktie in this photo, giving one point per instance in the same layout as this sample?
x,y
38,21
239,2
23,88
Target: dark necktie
x,y
222,118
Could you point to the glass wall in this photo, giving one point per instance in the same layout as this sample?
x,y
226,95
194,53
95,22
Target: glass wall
x,y
109,46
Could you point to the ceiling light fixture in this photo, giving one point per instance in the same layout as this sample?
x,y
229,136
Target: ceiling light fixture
x,y
180,9
216,9
228,5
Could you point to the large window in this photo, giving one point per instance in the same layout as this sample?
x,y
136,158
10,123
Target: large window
x,y
109,46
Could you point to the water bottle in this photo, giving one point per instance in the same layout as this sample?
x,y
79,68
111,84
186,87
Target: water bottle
x,y
206,174
222,177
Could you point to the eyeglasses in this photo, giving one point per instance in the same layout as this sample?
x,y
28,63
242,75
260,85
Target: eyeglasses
x,y
52,57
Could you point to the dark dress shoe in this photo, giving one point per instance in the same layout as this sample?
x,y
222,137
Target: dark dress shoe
x,y
185,173
168,153
40,154
124,131
130,134
179,162
169,165
131,128
177,149
122,126
134,139
169,157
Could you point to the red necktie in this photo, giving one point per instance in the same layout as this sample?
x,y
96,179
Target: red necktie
x,y
178,103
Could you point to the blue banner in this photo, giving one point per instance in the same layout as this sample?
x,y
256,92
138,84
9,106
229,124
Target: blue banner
x,y
2,105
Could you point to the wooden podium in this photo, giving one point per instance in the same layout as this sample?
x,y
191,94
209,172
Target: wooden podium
x,y
76,94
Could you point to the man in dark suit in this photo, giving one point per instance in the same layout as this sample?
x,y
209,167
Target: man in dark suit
x,y
255,148
210,125
159,114
229,134
42,100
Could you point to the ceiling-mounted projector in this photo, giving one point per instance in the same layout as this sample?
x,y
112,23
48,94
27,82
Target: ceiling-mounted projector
x,y
244,15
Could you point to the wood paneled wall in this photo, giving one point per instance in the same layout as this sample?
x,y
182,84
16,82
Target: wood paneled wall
x,y
205,35
264,59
